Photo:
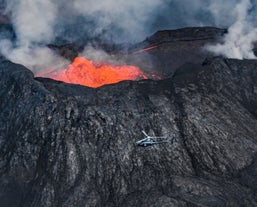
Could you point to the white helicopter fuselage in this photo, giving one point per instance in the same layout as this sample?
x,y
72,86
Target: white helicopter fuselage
x,y
148,141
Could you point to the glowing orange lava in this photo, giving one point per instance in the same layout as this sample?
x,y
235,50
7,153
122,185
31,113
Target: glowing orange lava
x,y
86,72
145,49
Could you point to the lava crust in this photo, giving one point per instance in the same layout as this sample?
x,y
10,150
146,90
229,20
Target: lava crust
x,y
68,145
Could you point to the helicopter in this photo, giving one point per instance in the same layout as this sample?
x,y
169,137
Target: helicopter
x,y
150,140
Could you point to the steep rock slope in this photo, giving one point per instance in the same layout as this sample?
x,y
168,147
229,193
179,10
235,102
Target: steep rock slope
x,y
68,145
173,48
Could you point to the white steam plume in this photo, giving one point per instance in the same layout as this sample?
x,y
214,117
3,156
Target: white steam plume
x,y
33,21
238,43
98,55
38,22
131,16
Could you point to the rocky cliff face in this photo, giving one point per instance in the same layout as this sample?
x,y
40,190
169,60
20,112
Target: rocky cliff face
x,y
68,145
175,48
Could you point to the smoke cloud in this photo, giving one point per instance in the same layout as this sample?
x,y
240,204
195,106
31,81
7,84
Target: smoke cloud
x,y
38,23
99,55
33,21
238,43
126,16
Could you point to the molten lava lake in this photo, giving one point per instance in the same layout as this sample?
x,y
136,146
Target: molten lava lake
x,y
87,73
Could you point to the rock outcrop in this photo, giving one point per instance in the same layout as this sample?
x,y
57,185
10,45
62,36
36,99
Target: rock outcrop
x,y
174,48
68,145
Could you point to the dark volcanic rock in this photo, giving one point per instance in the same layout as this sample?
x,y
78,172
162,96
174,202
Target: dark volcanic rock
x,y
174,48
68,145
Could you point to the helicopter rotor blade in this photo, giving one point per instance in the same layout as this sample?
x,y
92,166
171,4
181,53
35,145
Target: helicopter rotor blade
x,y
159,137
145,133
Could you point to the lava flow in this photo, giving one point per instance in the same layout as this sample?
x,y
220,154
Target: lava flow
x,y
145,49
85,72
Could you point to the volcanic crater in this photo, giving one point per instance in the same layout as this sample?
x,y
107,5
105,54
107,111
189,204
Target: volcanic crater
x,y
68,145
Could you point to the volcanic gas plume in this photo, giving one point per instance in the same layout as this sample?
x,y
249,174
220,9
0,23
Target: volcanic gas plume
x,y
85,72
